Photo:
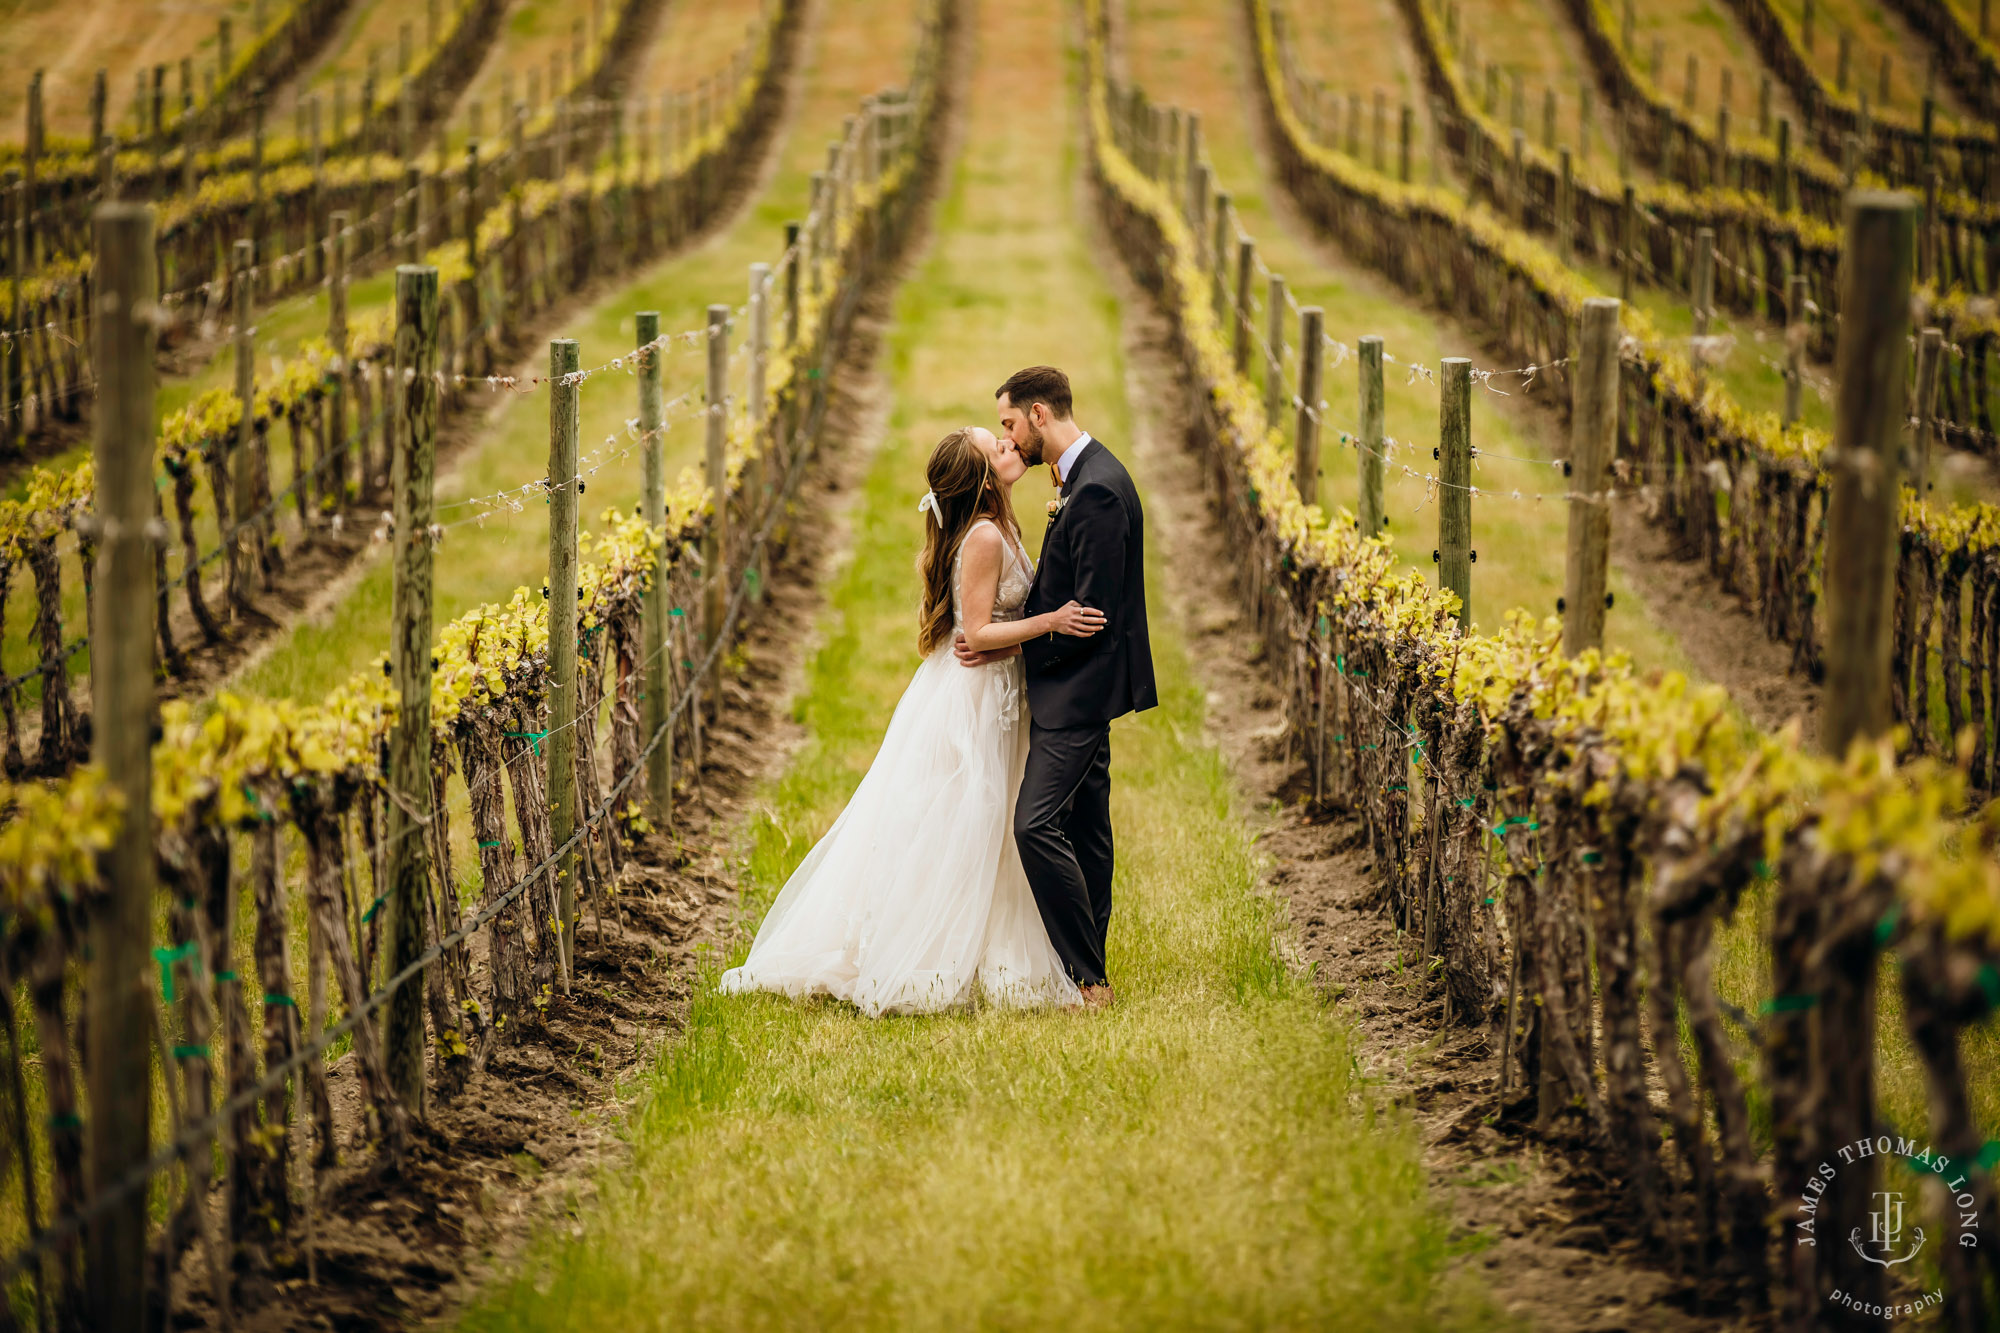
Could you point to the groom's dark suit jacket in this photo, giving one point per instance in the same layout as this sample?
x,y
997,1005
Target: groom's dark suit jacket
x,y
1093,553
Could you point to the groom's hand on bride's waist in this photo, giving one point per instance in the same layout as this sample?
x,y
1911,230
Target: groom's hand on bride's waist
x,y
972,657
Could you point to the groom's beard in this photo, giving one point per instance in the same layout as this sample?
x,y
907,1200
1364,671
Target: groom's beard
x,y
1033,450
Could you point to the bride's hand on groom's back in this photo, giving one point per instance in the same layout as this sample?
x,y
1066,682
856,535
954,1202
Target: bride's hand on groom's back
x,y
1076,620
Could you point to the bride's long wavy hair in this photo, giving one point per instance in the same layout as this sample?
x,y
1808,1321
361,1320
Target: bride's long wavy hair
x,y
961,477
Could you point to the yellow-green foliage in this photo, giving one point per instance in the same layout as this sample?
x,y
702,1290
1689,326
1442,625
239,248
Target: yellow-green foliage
x,y
488,654
1903,819
51,503
50,835
1719,414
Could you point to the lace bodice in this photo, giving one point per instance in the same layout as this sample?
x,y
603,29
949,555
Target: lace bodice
x,y
1017,574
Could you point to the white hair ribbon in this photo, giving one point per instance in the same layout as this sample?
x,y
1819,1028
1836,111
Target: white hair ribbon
x,y
929,505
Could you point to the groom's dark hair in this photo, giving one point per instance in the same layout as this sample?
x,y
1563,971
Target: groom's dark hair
x,y
1038,384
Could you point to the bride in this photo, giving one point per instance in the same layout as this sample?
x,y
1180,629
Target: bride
x,y
915,900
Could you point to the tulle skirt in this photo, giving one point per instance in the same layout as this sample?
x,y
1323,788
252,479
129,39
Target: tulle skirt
x,y
915,900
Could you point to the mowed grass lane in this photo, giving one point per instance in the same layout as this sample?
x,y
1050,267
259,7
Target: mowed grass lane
x,y
1199,1154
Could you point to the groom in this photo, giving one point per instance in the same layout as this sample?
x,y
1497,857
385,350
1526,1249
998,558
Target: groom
x,y
1093,553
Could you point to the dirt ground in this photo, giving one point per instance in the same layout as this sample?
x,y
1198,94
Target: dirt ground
x,y
1540,1231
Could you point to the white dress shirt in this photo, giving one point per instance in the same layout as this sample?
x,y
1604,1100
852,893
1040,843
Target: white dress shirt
x,y
1069,457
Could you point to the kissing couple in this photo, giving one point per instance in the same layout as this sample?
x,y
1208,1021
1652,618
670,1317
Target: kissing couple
x,y
974,861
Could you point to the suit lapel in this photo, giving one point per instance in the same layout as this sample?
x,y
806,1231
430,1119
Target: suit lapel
x,y
1090,451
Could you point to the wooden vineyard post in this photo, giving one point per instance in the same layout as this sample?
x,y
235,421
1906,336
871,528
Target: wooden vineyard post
x,y
653,632
1368,444
118,1024
475,360
1861,513
1195,173
1781,192
1927,235
1628,240
715,546
1274,352
412,475
1437,143
1704,279
791,286
1923,437
318,158
1593,438
565,400
242,551
754,377
1218,258
336,339
816,233
1795,346
1246,264
1305,455
1454,553
1565,206
1517,182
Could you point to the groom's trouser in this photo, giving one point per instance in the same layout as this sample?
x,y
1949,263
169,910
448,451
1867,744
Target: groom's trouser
x,y
1062,825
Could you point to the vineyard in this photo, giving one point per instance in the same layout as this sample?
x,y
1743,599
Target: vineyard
x,y
461,476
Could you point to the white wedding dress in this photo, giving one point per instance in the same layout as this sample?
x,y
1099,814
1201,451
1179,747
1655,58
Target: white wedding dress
x,y
915,900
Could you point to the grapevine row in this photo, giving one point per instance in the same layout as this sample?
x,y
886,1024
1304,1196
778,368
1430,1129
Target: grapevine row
x,y
527,252
1532,812
272,780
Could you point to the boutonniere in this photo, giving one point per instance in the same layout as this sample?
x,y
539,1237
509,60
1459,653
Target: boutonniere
x,y
1055,505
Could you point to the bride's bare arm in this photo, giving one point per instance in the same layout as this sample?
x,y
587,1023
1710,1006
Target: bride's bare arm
x,y
984,555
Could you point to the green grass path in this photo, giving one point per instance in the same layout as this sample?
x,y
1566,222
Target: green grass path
x,y
1199,1155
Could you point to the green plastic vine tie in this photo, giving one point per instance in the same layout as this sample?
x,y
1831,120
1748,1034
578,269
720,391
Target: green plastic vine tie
x,y
166,958
270,999
495,843
534,737
373,908
1789,1004
65,1120
190,1052
1989,981
1886,927
1514,821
